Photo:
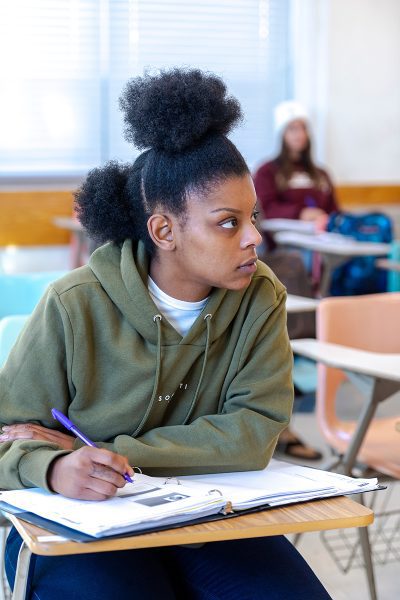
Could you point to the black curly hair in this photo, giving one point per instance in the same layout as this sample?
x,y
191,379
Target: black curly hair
x,y
180,118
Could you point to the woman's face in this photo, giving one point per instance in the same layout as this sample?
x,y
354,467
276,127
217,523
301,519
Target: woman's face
x,y
296,136
215,245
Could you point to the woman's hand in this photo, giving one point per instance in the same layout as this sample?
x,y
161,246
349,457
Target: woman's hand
x,y
88,473
31,431
311,213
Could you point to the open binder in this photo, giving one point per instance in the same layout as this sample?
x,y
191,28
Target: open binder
x,y
154,503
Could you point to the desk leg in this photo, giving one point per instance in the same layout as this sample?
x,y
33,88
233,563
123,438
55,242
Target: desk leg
x,y
366,550
22,573
381,389
364,421
329,263
79,246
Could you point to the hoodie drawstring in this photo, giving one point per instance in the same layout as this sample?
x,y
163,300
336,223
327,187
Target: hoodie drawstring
x,y
207,319
157,319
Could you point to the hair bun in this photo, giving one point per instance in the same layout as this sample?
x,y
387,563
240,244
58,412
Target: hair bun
x,y
176,109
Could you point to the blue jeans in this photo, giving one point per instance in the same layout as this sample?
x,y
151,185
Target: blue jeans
x,y
255,569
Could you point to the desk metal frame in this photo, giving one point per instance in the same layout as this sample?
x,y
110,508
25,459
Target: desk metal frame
x,y
376,389
330,513
334,252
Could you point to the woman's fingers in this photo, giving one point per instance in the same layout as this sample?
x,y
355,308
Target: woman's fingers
x,y
32,431
88,473
112,460
310,213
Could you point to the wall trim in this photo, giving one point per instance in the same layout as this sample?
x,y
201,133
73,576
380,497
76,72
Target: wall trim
x,y
27,216
365,195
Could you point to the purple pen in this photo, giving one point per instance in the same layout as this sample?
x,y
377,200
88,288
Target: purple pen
x,y
73,428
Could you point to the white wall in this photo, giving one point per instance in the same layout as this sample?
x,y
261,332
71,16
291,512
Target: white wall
x,y
347,65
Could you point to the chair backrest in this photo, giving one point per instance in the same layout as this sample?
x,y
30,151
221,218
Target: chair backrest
x,y
10,328
20,292
368,322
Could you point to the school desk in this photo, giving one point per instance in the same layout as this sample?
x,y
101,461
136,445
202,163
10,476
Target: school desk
x,y
375,374
331,513
275,225
388,265
334,249
76,229
295,304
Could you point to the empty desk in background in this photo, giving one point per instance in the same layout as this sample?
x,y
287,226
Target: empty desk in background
x,y
388,265
304,371
74,226
334,249
296,304
376,375
295,225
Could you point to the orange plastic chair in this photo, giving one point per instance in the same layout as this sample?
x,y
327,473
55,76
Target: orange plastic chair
x,y
368,323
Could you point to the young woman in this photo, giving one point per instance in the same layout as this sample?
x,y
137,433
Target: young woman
x,y
291,186
169,350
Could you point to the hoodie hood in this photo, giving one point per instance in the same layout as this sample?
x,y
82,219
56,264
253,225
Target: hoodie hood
x,y
123,271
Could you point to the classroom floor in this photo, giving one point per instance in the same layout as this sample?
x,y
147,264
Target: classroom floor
x,y
313,546
327,554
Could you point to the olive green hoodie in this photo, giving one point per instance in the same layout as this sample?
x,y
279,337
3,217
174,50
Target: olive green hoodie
x,y
96,349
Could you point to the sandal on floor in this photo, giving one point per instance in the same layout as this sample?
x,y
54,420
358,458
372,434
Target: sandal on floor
x,y
295,448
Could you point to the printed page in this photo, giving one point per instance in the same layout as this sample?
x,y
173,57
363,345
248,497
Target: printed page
x,y
136,505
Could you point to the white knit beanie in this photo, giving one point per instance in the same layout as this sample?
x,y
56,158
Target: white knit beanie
x,y
288,111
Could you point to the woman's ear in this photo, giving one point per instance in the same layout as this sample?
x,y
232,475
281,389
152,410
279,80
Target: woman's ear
x,y
160,228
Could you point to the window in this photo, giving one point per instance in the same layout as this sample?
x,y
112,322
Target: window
x,y
66,62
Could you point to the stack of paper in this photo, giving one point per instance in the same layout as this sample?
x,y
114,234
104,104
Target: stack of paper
x,y
281,483
154,502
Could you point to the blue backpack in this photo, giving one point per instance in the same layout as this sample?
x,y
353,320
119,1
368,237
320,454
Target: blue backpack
x,y
360,275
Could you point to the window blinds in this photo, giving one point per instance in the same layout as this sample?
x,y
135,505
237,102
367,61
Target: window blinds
x,y
65,63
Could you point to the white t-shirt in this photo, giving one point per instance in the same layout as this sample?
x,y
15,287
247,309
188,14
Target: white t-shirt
x,y
179,313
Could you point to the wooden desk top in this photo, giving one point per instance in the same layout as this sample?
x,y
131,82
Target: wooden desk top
x,y
375,364
331,513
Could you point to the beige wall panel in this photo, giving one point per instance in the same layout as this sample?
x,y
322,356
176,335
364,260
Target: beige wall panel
x,y
26,217
359,195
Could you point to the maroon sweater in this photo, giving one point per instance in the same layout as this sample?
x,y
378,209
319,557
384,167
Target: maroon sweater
x,y
300,192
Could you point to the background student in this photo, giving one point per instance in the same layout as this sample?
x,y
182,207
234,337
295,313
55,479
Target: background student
x,y
292,186
169,350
